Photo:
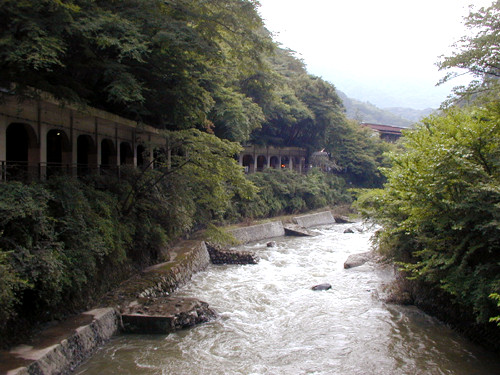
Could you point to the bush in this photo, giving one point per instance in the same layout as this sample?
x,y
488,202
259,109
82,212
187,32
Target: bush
x,y
288,192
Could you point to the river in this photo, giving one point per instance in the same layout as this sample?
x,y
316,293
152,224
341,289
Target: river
x,y
271,322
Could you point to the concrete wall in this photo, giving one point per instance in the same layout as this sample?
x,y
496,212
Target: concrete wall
x,y
313,220
259,232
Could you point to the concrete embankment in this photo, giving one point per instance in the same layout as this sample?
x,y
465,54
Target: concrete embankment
x,y
313,220
259,232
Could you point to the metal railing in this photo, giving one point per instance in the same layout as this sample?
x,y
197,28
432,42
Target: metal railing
x,y
26,171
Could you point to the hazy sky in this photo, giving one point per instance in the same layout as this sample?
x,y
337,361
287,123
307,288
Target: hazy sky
x,y
382,51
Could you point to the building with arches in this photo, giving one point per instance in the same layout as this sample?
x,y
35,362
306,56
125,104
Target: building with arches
x,y
257,158
39,138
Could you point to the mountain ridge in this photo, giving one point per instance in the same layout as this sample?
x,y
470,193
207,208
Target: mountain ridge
x,y
367,112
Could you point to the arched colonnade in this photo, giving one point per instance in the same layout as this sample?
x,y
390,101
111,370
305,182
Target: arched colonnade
x,y
42,138
257,158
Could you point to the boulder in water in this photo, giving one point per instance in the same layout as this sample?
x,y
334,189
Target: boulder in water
x,y
356,260
271,244
322,287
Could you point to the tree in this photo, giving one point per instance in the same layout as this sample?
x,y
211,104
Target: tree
x,y
477,54
357,154
440,208
174,65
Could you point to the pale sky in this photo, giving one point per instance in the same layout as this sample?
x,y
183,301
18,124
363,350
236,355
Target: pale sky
x,y
381,51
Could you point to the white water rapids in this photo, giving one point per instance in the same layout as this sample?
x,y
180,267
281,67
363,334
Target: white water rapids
x,y
271,322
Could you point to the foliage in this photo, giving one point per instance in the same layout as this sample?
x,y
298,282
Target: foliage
x,y
357,154
56,237
440,208
477,54
304,108
175,64
287,192
496,297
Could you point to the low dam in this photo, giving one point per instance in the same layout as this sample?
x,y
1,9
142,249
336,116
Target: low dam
x,y
270,321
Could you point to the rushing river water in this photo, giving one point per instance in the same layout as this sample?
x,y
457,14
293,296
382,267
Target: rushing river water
x,y
271,322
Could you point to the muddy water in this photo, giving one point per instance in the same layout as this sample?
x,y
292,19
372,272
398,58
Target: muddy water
x,y
271,322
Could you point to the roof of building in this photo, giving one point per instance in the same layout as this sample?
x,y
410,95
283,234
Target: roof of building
x,y
386,129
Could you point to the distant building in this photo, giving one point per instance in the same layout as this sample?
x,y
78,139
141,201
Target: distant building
x,y
387,133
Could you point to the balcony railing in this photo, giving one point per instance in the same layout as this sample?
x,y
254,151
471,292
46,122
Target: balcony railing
x,y
25,171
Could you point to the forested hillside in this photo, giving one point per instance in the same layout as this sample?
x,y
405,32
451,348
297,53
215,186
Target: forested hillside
x,y
367,112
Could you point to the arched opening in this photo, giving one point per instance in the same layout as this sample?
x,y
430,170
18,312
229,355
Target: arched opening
x,y
285,162
248,163
126,154
22,151
141,156
261,163
86,155
58,153
274,162
108,154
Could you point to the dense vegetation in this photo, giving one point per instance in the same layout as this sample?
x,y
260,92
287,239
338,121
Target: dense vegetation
x,y
440,208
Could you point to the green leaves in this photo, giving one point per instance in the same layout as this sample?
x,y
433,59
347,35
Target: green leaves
x,y
477,54
441,205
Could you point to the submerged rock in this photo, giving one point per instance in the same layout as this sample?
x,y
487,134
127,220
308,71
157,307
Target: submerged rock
x,y
271,244
325,286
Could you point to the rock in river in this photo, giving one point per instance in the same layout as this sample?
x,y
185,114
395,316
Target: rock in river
x,y
322,287
356,260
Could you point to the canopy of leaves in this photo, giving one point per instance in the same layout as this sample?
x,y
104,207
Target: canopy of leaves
x,y
305,107
174,64
478,54
441,206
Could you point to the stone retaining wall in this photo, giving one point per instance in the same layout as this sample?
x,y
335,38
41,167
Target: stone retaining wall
x,y
313,220
259,232
225,256
55,353
164,278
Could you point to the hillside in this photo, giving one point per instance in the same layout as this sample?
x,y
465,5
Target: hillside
x,y
411,114
367,112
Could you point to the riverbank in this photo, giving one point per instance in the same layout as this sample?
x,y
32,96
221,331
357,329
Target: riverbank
x,y
52,353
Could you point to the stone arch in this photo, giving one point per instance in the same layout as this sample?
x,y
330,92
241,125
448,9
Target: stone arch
x,y
126,154
58,152
248,163
86,154
108,154
22,150
274,162
261,162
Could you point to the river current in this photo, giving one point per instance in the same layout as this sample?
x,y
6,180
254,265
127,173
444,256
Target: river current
x,y
271,322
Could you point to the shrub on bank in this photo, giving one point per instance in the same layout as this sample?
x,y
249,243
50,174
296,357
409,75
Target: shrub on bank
x,y
287,192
